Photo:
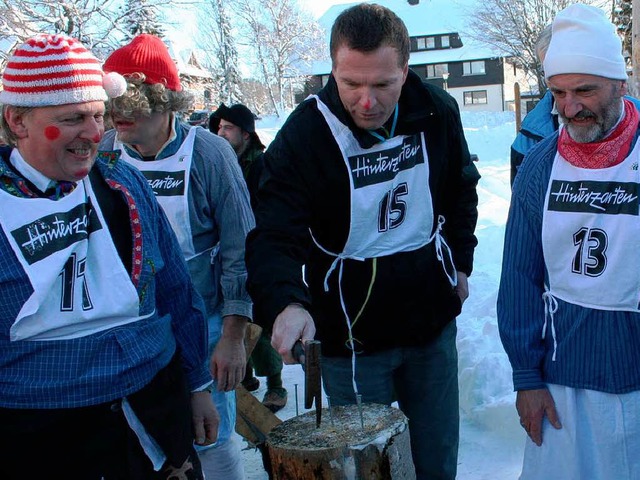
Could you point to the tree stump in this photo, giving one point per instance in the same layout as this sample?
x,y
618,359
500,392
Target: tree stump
x,y
340,449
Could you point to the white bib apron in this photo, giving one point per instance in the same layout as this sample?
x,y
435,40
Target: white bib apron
x,y
591,234
391,206
169,180
80,284
589,226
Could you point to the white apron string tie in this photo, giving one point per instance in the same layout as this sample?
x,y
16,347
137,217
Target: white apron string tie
x,y
339,262
440,242
550,308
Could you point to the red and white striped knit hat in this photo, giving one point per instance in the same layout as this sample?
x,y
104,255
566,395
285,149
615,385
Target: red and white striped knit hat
x,y
52,70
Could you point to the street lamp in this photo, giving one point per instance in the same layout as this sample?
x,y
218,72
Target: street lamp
x,y
445,77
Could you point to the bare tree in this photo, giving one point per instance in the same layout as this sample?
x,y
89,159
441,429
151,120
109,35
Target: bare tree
x,y
12,30
216,39
621,17
141,16
512,27
93,22
283,38
257,97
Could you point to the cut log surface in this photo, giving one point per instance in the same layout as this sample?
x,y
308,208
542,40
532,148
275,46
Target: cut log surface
x,y
340,449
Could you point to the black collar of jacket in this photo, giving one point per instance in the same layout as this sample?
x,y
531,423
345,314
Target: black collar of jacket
x,y
416,105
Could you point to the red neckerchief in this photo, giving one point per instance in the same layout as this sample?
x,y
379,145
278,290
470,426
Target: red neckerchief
x,y
605,153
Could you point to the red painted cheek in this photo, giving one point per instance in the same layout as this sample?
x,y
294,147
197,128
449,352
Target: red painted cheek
x,y
51,132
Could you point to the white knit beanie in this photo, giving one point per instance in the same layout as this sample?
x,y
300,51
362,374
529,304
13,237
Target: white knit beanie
x,y
584,41
52,70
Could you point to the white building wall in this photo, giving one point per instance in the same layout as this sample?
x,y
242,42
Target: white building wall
x,y
510,79
494,98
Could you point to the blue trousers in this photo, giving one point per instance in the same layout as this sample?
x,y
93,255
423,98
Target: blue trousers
x,y
225,402
222,460
424,381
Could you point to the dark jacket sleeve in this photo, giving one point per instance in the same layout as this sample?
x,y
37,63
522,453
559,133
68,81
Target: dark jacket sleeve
x,y
461,198
253,179
277,248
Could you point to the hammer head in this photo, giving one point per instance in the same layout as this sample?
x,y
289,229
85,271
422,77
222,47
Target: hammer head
x,y
309,356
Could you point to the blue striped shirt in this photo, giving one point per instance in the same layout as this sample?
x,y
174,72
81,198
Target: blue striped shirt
x,y
596,349
114,363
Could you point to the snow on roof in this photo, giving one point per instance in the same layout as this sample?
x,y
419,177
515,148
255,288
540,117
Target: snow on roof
x,y
187,61
428,17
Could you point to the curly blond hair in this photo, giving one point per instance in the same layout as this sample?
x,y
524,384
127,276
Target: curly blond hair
x,y
144,99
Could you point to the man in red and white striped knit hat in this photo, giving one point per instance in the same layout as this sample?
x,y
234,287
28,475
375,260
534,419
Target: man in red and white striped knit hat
x,y
569,299
102,334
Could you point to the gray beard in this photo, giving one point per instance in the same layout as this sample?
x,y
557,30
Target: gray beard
x,y
591,134
599,130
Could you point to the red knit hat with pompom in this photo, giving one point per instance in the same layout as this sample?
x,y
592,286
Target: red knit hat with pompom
x,y
149,55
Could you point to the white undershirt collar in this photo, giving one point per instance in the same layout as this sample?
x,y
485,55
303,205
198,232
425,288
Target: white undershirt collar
x,y
40,180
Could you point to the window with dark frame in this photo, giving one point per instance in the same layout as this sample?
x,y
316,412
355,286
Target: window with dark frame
x,y
476,97
425,43
474,68
437,69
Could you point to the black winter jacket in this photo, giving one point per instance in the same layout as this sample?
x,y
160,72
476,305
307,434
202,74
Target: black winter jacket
x,y
306,185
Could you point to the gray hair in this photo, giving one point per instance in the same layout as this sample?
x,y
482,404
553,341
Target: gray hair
x,y
6,134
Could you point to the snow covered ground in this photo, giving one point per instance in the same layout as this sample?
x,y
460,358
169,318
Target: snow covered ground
x,y
492,441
